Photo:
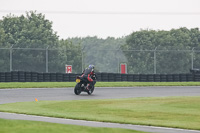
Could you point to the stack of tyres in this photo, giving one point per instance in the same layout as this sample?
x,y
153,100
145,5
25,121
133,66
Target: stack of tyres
x,y
72,77
197,77
8,77
183,77
46,77
136,77
118,77
53,77
150,78
124,77
15,76
170,78
157,78
111,77
2,77
66,77
40,77
21,76
28,76
143,78
104,77
98,76
190,77
34,76
176,77
163,77
129,77
59,77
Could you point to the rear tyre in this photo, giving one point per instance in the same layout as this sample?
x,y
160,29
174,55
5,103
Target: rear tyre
x,y
77,89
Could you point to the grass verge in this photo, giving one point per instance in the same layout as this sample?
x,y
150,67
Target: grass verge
x,y
98,84
177,112
20,126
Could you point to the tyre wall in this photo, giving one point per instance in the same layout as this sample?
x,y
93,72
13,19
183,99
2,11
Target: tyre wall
x,y
21,76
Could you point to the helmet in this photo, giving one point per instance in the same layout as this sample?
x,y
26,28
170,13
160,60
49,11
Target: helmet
x,y
91,66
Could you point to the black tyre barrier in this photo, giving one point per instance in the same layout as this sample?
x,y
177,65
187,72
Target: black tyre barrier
x,y
34,77
8,77
40,77
190,77
130,77
15,76
20,76
197,77
150,78
176,77
111,77
124,77
183,77
3,77
136,77
59,77
53,77
28,76
143,77
72,77
65,77
104,76
118,77
98,76
170,78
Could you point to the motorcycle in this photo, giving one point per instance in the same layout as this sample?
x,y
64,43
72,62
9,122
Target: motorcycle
x,y
82,85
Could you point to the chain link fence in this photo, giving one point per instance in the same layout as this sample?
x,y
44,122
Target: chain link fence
x,y
153,61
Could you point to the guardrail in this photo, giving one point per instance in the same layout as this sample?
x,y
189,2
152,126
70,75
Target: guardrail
x,y
20,76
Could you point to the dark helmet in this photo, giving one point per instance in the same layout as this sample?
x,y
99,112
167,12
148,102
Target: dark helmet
x,y
91,66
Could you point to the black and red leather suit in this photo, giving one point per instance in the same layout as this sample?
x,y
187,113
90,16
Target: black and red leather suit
x,y
87,74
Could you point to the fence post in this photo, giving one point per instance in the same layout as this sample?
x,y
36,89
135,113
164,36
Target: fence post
x,y
192,58
47,70
155,60
118,66
82,58
11,49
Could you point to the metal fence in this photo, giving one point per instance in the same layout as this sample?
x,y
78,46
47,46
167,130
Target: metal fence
x,y
154,61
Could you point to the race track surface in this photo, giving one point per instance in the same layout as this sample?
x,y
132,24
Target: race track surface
x,y
29,94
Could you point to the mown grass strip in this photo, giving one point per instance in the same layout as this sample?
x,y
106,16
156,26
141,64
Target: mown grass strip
x,y
20,126
177,112
98,84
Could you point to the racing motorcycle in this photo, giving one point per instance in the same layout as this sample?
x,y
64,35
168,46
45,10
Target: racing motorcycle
x,y
82,85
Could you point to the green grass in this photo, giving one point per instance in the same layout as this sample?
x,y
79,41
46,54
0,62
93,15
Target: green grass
x,y
20,126
177,112
99,84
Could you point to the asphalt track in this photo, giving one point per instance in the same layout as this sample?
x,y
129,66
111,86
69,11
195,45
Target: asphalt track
x,y
22,95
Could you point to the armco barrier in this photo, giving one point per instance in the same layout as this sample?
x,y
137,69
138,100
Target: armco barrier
x,y
20,76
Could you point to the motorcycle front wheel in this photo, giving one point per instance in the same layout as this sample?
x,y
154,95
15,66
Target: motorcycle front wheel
x,y
90,91
77,89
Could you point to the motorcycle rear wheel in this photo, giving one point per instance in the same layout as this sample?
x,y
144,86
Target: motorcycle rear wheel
x,y
77,89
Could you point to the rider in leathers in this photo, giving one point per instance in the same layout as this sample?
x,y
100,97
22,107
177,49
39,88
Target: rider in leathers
x,y
87,74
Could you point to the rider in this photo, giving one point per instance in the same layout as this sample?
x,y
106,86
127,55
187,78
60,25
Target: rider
x,y
87,74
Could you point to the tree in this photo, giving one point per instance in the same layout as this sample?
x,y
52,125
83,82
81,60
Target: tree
x,y
4,53
30,31
66,54
172,50
103,53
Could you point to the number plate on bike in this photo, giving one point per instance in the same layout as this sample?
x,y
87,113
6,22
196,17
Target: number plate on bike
x,y
77,80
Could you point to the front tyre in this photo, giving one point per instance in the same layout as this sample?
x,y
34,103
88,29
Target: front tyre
x,y
90,91
77,89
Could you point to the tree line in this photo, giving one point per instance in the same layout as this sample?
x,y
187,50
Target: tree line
x,y
142,50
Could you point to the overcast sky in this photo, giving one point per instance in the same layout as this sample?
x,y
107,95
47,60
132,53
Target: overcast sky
x,y
114,18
